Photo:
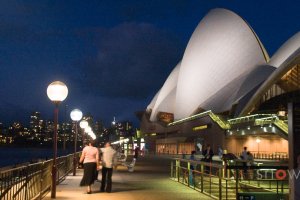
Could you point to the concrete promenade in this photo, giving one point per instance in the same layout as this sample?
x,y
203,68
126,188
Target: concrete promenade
x,y
149,181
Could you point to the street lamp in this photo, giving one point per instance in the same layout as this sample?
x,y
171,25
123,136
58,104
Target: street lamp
x,y
57,92
83,124
88,129
76,115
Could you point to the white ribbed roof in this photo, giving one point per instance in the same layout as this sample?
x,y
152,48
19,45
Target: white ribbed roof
x,y
221,51
165,101
151,105
286,50
284,59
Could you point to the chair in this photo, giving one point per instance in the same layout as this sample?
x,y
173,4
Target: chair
x,y
131,165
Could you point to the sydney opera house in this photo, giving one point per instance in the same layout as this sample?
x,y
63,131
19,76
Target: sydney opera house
x,y
226,91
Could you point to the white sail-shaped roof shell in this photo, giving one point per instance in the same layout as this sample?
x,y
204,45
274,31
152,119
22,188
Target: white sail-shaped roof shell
x,y
284,59
286,51
152,103
165,101
223,48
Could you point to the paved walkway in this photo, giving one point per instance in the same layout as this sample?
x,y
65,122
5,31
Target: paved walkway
x,y
149,181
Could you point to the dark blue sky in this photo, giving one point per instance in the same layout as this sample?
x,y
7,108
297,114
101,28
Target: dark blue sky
x,y
112,55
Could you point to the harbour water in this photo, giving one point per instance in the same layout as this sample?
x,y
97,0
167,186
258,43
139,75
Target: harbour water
x,y
12,156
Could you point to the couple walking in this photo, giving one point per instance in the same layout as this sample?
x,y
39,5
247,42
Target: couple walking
x,y
90,159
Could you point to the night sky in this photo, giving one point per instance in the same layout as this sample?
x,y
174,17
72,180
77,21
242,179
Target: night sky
x,y
113,55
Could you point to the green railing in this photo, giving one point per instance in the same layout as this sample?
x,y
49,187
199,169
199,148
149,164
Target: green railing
x,y
282,125
32,181
273,120
249,118
190,118
257,119
231,182
222,123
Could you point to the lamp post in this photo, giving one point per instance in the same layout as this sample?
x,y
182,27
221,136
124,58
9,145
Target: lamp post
x,y
57,92
83,124
75,115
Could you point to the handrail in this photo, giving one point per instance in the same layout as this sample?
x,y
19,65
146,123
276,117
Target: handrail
x,y
32,181
249,118
259,119
222,123
229,182
273,120
282,125
189,118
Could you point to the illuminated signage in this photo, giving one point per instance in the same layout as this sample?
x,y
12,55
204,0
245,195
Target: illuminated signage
x,y
197,128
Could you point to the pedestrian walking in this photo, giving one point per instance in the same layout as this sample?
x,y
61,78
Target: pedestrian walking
x,y
90,159
136,152
108,161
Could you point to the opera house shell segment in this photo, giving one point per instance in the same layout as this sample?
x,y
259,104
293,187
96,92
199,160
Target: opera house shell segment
x,y
221,52
165,101
286,58
226,92
224,68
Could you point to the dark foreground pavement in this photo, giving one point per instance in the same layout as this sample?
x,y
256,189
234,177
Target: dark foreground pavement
x,y
150,180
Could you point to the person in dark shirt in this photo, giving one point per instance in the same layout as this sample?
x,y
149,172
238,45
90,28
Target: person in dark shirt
x,y
192,157
208,154
136,152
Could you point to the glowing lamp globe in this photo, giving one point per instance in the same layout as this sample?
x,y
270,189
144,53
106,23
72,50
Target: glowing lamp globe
x,y
83,124
76,115
88,129
57,91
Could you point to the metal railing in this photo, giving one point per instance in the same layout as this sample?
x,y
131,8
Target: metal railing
x,y
220,182
273,120
249,118
258,119
222,123
32,181
282,125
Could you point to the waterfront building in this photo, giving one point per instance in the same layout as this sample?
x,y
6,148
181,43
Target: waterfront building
x,y
36,125
98,128
226,91
48,129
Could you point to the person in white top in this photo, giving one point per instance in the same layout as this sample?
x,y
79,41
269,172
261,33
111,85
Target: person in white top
x,y
108,161
90,159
